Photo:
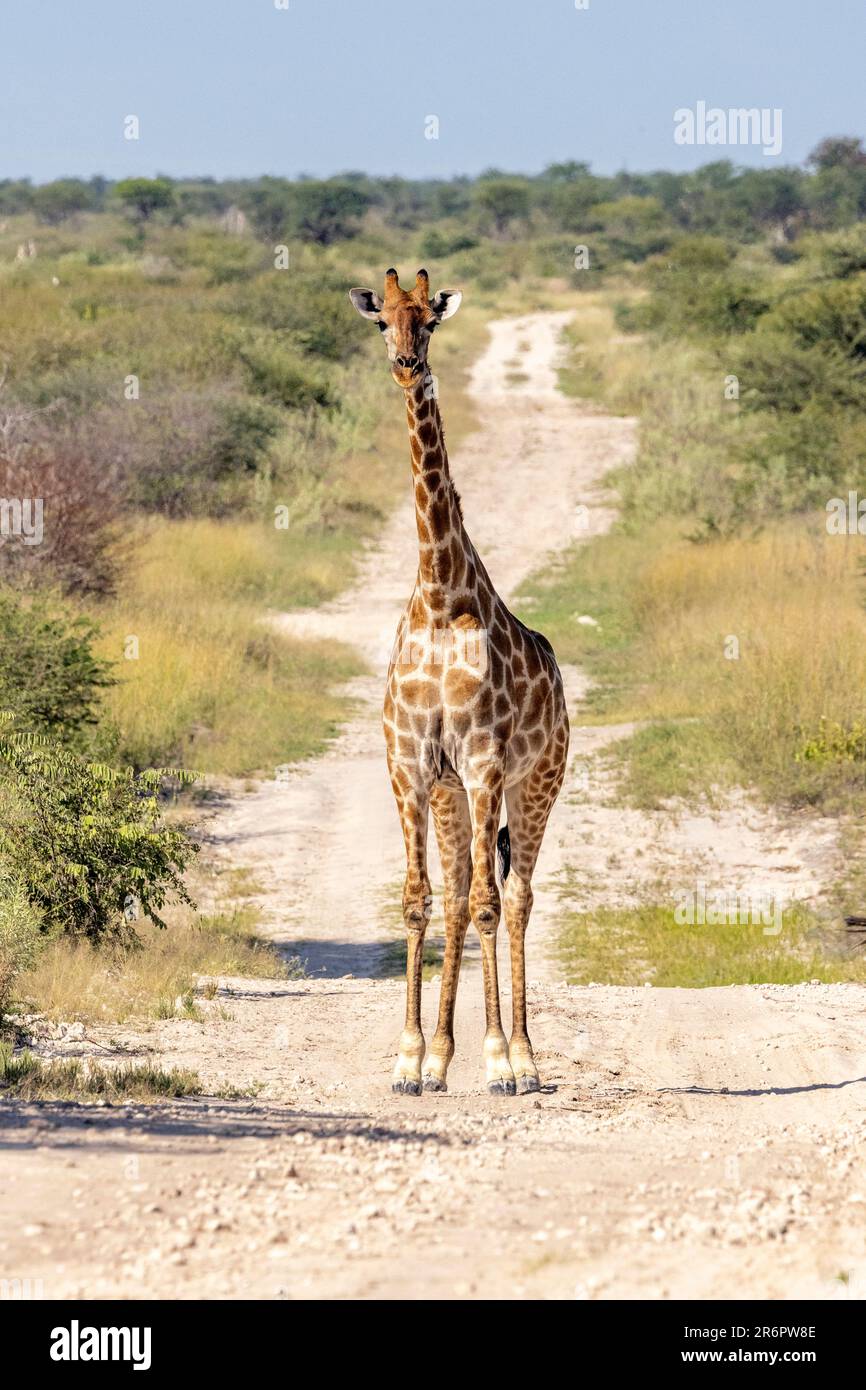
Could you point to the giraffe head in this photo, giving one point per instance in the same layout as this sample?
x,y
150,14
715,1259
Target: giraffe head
x,y
406,321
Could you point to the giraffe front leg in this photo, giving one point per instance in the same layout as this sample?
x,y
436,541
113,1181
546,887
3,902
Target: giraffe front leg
x,y
485,909
518,905
417,904
454,837
442,1043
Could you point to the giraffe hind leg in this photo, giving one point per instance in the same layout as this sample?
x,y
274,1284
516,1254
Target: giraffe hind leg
x,y
528,805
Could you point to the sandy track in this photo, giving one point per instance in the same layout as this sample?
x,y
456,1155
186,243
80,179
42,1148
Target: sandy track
x,y
687,1143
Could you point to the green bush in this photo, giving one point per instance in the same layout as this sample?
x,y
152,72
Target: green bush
x,y
87,841
283,377
634,228
502,201
440,242
843,254
318,210
49,676
695,289
777,374
20,934
829,314
310,309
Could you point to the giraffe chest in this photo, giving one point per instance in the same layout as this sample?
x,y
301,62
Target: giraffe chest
x,y
434,736
462,696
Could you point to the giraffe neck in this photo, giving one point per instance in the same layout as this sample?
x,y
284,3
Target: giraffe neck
x,y
445,553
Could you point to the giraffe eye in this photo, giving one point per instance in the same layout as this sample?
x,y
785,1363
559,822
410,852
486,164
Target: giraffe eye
x,y
382,325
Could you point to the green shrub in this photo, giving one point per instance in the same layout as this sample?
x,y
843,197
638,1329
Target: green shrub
x,y
49,676
326,210
775,373
318,210
439,242
283,377
87,841
20,934
502,201
310,308
28,1077
843,254
634,228
833,313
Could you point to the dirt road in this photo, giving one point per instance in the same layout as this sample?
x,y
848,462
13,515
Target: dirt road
x,y
686,1144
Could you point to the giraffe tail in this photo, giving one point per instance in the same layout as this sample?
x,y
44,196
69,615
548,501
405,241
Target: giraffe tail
x,y
503,853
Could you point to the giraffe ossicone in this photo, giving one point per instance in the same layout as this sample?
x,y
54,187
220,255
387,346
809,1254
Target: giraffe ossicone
x,y
475,720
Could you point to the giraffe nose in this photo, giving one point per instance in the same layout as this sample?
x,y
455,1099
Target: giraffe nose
x,y
408,363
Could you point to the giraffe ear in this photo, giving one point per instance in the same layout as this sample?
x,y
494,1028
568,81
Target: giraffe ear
x,y
367,302
446,303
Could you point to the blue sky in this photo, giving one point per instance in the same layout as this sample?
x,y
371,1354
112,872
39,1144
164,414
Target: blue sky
x,y
236,88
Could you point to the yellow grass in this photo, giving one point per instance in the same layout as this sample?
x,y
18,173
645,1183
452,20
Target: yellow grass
x,y
73,981
203,680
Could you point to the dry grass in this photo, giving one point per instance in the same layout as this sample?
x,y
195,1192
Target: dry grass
x,y
26,1077
208,685
72,981
738,653
745,654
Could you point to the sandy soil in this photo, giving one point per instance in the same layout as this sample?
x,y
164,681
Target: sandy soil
x,y
686,1143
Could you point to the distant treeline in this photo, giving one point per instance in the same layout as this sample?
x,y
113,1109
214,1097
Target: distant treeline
x,y
720,197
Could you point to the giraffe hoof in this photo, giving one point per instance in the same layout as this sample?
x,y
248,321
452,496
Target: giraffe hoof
x,y
501,1088
434,1083
527,1084
406,1087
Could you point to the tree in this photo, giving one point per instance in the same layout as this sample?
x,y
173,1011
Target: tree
x,y
143,197
328,210
269,203
838,151
54,202
566,172
504,200
16,195
771,197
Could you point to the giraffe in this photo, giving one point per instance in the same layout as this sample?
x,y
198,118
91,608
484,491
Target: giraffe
x,y
474,717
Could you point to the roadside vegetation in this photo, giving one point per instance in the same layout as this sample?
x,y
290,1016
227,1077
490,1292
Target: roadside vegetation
x,y
730,609
25,1076
645,945
211,436
729,598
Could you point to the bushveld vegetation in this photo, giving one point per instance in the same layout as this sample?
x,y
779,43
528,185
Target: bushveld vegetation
x,y
212,435
730,616
729,598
